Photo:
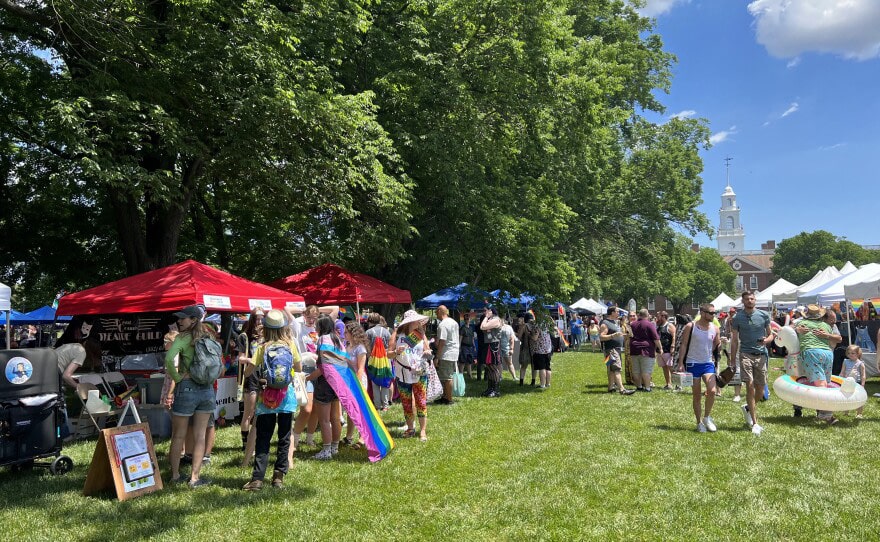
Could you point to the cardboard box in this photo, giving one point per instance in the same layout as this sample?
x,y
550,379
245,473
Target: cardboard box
x,y
684,380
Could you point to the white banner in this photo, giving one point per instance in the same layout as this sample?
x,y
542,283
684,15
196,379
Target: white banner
x,y
227,398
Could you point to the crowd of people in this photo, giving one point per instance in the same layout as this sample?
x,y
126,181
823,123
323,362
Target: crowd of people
x,y
482,346
633,346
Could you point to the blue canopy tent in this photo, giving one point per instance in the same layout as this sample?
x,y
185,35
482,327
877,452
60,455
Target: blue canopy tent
x,y
16,317
455,296
524,301
44,315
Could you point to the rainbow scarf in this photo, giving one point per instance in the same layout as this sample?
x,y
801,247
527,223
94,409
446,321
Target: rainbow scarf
x,y
353,398
413,339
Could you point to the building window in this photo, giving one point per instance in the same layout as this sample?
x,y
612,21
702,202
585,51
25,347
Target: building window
x,y
730,202
669,306
651,304
739,283
695,305
753,283
729,221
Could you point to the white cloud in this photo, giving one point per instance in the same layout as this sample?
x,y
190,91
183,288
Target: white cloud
x,y
832,147
791,109
683,114
720,137
794,62
653,8
786,28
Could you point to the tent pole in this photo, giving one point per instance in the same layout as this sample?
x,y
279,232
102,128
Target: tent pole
x,y
8,331
357,304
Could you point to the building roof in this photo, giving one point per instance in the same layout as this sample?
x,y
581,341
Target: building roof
x,y
761,261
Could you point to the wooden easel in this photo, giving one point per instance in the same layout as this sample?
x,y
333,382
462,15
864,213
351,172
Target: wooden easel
x,y
124,461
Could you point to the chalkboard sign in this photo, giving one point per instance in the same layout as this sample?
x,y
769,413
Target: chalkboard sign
x,y
124,463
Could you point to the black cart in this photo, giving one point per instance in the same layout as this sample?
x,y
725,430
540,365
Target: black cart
x,y
31,404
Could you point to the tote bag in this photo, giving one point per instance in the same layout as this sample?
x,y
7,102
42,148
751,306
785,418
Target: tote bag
x,y
458,386
435,388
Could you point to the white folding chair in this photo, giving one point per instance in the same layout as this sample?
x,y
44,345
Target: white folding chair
x,y
96,380
115,383
96,414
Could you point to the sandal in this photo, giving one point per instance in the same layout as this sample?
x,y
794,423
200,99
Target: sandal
x,y
345,442
423,439
409,433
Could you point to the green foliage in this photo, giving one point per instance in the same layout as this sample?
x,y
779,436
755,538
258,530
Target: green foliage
x,y
428,142
799,258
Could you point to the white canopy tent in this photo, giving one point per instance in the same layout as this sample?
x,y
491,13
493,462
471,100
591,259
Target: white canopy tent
x,y
589,305
6,306
723,302
848,267
866,289
824,276
835,291
764,298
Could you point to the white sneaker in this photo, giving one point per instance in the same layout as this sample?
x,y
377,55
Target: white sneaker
x,y
323,455
737,399
701,428
710,425
756,429
747,416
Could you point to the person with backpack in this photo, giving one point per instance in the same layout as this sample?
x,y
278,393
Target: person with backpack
x,y
191,393
666,331
357,342
378,331
326,401
612,337
274,363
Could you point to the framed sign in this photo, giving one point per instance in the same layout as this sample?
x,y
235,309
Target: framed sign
x,y
124,463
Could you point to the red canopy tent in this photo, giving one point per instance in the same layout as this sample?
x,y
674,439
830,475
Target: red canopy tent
x,y
330,284
176,286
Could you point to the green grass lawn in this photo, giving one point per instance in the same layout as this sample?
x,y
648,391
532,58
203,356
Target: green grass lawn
x,y
569,463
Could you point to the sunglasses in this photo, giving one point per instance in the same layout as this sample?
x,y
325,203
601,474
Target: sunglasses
x,y
709,312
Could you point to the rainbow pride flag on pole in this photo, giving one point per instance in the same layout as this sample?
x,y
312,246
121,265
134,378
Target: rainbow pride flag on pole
x,y
353,398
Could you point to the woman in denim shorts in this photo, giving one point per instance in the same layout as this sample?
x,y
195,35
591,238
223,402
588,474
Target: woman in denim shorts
x,y
186,398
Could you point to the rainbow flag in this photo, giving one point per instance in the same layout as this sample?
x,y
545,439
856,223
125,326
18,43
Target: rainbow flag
x,y
562,338
353,398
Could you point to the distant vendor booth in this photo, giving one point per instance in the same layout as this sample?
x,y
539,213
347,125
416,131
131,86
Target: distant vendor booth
x,y
122,325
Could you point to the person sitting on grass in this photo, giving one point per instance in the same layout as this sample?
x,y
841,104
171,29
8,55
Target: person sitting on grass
x,y
699,339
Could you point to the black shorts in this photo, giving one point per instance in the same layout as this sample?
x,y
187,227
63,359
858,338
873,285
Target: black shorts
x,y
540,362
252,383
323,392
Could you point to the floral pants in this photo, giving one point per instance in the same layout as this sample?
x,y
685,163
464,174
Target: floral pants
x,y
419,390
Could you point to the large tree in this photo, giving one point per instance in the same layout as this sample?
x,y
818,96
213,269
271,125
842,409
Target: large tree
x,y
150,110
798,258
429,142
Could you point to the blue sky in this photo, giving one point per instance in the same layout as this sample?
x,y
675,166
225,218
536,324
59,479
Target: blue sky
x,y
791,90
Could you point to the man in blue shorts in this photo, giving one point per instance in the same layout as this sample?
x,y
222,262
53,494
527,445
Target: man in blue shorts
x,y
699,340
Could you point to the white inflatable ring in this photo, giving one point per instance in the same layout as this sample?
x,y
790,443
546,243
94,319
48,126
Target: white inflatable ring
x,y
849,396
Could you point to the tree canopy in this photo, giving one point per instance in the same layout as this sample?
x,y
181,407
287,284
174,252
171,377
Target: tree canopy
x,y
800,257
432,142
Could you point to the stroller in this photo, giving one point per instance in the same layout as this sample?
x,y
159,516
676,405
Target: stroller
x,y
31,404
